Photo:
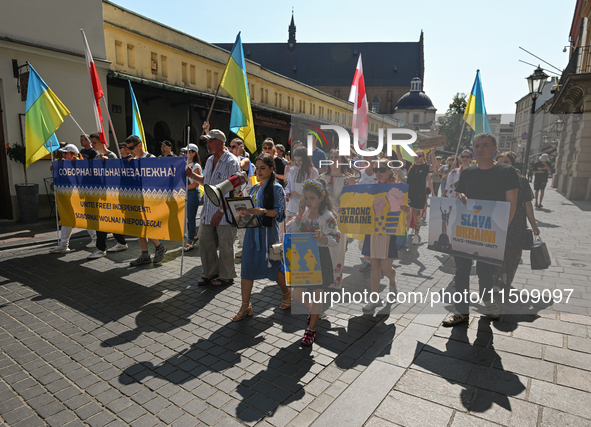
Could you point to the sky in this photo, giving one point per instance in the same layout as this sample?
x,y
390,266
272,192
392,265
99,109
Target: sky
x,y
460,36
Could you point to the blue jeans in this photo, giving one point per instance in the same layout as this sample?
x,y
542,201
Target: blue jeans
x,y
193,200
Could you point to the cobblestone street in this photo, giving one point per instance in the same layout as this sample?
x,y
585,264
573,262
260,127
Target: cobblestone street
x,y
101,343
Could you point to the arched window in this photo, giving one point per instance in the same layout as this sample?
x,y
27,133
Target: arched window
x,y
375,104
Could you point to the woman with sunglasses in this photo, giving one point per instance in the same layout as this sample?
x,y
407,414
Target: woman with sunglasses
x,y
454,175
269,148
193,196
300,171
418,179
338,175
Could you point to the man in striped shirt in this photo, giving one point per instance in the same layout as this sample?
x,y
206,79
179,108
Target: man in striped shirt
x,y
215,234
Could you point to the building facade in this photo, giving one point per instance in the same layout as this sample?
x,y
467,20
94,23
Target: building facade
x,y
50,40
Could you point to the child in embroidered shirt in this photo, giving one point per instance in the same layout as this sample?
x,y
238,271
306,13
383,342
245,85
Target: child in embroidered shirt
x,y
316,215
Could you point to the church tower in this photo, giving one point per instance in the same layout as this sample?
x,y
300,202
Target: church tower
x,y
291,41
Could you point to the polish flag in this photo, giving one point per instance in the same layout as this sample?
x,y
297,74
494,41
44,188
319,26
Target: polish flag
x,y
360,109
290,138
97,90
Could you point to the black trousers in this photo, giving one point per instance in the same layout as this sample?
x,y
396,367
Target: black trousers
x,y
101,240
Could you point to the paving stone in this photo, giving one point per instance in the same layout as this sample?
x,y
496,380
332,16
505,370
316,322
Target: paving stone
x,y
579,344
503,410
552,418
533,368
461,419
568,357
575,378
561,398
401,409
436,389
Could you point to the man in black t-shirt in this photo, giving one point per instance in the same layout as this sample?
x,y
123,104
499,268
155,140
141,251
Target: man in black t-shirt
x,y
87,151
541,170
488,180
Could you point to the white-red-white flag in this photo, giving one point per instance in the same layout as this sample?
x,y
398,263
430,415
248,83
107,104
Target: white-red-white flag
x,y
97,90
290,138
360,109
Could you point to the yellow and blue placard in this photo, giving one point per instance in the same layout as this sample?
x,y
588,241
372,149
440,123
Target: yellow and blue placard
x,y
373,209
142,197
302,260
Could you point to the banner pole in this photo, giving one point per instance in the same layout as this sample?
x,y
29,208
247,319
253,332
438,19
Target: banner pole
x,y
57,223
212,104
186,197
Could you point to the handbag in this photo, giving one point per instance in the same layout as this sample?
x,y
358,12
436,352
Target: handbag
x,y
539,256
528,240
276,252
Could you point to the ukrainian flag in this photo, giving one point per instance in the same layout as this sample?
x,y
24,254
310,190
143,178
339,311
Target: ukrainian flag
x,y
44,115
137,127
234,82
475,114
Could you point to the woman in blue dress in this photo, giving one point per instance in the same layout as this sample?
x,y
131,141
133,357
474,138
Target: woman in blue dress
x,y
269,204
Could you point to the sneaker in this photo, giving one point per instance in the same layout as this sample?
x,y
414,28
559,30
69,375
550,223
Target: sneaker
x,y
143,259
415,239
118,248
97,254
59,250
493,310
159,254
92,244
371,306
309,338
454,319
366,266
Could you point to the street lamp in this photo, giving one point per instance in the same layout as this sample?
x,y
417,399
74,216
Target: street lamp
x,y
536,84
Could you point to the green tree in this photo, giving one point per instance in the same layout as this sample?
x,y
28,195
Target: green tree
x,y
451,124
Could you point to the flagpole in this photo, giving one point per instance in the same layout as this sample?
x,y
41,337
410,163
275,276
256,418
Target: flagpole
x,y
212,104
459,142
111,125
186,198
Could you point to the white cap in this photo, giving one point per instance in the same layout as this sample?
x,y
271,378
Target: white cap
x,y
69,148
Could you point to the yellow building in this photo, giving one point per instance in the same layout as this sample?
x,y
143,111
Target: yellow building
x,y
175,77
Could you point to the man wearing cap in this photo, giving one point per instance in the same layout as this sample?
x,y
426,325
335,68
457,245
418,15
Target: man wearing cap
x,y
245,219
166,148
69,152
135,147
541,168
215,232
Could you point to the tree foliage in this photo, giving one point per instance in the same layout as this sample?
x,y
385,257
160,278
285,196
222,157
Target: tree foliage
x,y
451,124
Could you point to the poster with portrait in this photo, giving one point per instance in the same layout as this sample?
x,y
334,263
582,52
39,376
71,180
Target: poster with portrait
x,y
239,207
301,260
476,230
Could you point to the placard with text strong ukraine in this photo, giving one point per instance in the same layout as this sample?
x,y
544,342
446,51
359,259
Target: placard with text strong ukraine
x,y
142,197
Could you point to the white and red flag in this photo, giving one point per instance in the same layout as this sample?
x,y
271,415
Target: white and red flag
x,y
97,90
360,109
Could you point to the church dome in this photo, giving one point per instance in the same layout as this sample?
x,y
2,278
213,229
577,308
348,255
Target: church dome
x,y
416,99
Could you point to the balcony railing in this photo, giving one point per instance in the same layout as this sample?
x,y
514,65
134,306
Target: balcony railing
x,y
576,64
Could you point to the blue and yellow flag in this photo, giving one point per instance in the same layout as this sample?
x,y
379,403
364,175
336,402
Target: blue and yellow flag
x,y
44,115
475,114
137,127
235,83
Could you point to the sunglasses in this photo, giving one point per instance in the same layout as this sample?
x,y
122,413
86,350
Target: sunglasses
x,y
233,147
380,170
466,157
267,148
133,146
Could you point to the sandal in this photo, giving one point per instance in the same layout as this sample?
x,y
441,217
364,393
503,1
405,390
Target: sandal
x,y
204,281
188,246
242,314
221,282
309,337
239,255
286,303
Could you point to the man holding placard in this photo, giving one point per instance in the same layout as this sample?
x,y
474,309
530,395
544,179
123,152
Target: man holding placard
x,y
487,180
